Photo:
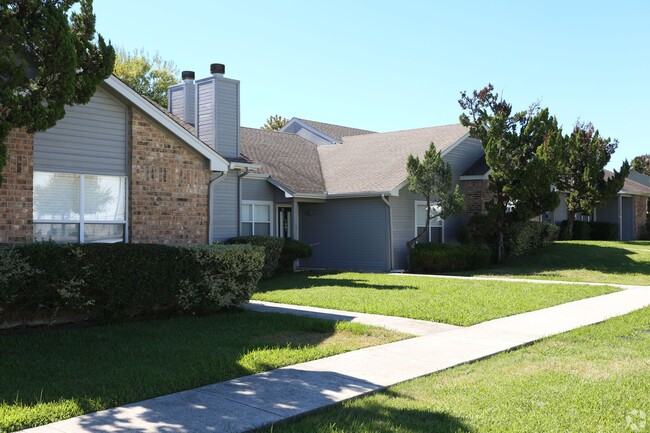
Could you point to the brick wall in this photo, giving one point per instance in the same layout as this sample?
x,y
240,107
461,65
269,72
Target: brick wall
x,y
640,208
168,196
476,194
16,191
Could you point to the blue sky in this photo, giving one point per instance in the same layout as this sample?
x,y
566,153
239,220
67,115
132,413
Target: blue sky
x,y
387,65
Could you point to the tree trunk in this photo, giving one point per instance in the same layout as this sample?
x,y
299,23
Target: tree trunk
x,y
570,220
501,250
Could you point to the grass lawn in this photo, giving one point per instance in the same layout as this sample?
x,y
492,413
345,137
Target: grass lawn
x,y
54,375
458,302
587,261
587,380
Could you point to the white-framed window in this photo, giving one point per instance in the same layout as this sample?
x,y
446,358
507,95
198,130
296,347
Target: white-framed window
x,y
256,218
82,208
436,227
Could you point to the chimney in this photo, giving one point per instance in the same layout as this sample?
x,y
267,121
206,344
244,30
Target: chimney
x,y
217,111
181,100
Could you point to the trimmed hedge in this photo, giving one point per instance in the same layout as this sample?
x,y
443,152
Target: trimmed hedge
x,y
434,258
525,237
291,251
272,250
593,230
112,282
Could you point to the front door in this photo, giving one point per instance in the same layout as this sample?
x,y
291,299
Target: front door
x,y
284,222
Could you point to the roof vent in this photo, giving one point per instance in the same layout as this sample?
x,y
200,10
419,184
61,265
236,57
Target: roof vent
x,y
187,75
217,68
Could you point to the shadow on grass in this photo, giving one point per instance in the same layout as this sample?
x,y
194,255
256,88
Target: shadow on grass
x,y
85,370
307,280
567,256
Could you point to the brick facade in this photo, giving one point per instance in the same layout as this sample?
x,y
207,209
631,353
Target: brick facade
x,y
168,192
476,194
640,207
16,191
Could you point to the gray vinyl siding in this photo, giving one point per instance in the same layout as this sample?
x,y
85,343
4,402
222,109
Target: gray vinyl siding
x,y
462,156
91,138
257,189
181,101
609,212
561,212
225,208
227,117
403,213
205,111
346,234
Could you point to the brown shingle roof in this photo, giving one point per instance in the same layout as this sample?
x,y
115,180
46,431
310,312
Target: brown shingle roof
x,y
288,158
377,162
335,131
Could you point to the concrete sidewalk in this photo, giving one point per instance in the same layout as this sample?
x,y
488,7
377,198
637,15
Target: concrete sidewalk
x,y
255,401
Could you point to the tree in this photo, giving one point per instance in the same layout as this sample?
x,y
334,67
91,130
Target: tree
x,y
431,178
521,150
642,164
582,172
275,123
150,77
50,57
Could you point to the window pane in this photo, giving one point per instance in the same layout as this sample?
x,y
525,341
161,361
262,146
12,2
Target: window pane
x,y
425,237
421,215
436,234
246,212
56,232
104,233
262,229
262,213
56,196
246,229
104,198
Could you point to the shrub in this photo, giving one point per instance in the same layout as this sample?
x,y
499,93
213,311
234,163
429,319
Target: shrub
x,y
272,250
112,282
603,231
479,230
291,251
524,237
433,258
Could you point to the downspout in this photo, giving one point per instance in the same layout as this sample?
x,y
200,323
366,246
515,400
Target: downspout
x,y
210,211
390,234
239,196
620,217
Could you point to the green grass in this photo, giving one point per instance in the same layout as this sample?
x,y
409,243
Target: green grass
x,y
454,301
58,374
587,380
586,261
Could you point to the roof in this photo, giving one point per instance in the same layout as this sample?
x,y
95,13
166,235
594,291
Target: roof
x,y
630,186
376,163
286,157
335,131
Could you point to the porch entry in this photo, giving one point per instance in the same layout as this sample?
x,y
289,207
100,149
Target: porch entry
x,y
284,222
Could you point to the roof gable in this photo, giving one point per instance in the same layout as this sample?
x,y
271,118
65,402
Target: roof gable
x,y
319,133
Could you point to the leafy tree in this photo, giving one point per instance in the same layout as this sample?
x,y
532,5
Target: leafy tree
x,y
275,123
50,57
582,171
642,164
149,77
431,178
521,150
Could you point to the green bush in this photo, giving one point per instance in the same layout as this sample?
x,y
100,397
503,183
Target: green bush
x,y
480,230
291,251
434,258
272,250
524,237
594,230
112,282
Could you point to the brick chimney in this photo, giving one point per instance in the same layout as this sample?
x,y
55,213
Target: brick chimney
x,y
181,98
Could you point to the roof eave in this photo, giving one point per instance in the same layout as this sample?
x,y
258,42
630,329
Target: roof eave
x,y
217,162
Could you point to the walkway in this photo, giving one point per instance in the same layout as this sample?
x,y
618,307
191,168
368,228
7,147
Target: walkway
x,y
255,401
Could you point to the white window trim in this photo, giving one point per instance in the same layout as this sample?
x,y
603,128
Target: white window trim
x,y
81,221
257,203
415,221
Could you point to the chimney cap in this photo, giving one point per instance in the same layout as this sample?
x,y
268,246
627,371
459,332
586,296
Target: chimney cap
x,y
217,68
187,75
